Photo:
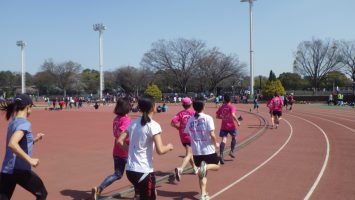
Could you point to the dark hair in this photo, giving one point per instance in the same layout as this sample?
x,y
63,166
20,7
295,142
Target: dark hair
x,y
227,98
11,107
186,106
198,104
276,94
122,106
145,105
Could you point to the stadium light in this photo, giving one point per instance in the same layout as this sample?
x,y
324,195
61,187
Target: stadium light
x,y
251,46
22,44
100,28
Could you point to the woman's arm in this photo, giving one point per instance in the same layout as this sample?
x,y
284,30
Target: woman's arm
x,y
38,137
214,139
160,147
121,141
15,147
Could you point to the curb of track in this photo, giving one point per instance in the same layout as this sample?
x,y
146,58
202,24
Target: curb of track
x,y
171,175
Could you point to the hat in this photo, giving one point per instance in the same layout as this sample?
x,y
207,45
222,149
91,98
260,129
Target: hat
x,y
186,101
23,100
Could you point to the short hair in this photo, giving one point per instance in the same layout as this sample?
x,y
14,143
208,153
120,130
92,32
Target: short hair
x,y
122,106
227,98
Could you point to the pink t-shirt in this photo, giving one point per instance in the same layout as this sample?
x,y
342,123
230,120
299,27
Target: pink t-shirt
x,y
277,103
120,124
225,113
181,118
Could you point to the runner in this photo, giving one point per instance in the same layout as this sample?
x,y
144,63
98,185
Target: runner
x,y
120,124
290,100
204,144
256,103
268,104
179,122
16,167
276,104
227,113
143,133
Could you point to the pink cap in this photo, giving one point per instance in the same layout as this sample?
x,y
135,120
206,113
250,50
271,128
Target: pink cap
x,y
186,101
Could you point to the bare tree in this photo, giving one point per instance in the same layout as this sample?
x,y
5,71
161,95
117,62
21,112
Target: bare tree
x,y
347,49
215,67
130,78
180,57
65,74
316,58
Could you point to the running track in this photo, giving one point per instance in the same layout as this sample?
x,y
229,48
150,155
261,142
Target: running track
x,y
310,156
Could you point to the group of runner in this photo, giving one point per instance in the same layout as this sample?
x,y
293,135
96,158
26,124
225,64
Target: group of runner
x,y
133,146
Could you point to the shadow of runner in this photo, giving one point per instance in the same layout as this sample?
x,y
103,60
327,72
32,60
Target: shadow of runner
x,y
178,195
77,194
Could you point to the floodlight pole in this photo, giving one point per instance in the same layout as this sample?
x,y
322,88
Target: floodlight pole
x,y
100,28
251,46
22,44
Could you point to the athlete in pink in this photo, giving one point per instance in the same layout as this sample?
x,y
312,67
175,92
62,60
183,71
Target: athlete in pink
x,y
227,113
179,122
276,104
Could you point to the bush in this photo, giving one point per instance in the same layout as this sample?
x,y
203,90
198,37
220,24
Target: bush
x,y
273,86
154,91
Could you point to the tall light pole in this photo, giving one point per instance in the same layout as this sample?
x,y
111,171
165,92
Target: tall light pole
x,y
251,45
22,44
100,28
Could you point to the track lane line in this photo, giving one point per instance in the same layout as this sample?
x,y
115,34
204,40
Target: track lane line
x,y
322,118
261,165
325,163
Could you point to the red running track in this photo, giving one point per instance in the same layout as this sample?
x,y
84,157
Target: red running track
x,y
290,162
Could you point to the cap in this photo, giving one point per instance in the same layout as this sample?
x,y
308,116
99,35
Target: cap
x,y
23,100
186,101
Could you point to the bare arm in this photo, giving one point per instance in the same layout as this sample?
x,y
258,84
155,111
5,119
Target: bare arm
x,y
15,147
175,125
121,141
160,147
214,139
38,137
236,119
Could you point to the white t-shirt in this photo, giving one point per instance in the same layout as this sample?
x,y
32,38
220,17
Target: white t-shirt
x,y
200,131
141,146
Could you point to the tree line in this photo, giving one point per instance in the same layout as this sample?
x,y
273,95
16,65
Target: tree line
x,y
188,65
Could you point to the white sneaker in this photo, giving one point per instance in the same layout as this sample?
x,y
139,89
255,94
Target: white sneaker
x,y
195,170
205,197
178,173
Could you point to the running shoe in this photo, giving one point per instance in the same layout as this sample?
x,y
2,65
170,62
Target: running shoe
x,y
231,154
178,173
205,197
195,170
203,170
221,160
95,193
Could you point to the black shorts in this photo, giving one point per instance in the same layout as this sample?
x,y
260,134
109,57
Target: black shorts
x,y
144,183
277,113
209,159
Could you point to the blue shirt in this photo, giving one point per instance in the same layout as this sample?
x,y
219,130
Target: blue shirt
x,y
11,160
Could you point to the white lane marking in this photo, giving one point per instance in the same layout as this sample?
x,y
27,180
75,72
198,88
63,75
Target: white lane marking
x,y
321,173
334,115
258,167
342,125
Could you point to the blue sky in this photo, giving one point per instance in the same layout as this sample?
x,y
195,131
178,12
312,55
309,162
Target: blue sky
x,y
62,30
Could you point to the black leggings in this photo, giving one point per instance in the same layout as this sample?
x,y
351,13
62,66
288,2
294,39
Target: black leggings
x,y
26,179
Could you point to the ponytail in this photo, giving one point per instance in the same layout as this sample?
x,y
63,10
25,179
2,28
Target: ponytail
x,y
145,119
196,115
198,105
9,107
146,105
